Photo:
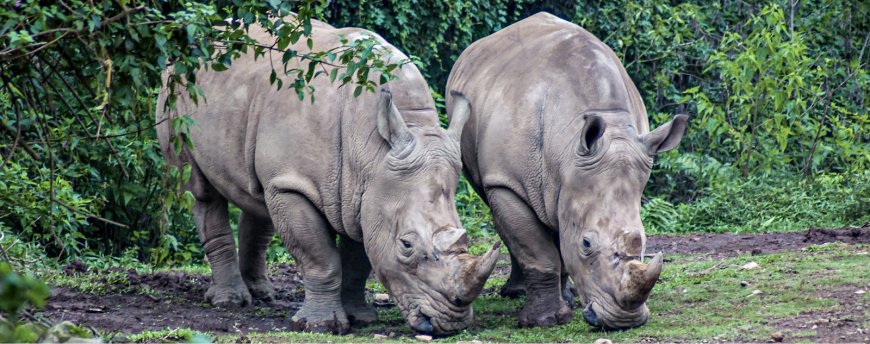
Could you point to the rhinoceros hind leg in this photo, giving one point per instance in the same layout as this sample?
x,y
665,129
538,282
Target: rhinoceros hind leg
x,y
355,269
516,283
212,223
255,235
537,255
311,240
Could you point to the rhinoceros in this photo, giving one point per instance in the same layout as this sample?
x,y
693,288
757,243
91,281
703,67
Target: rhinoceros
x,y
349,183
559,146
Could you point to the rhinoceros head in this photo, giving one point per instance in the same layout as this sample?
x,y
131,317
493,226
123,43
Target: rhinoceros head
x,y
419,250
601,236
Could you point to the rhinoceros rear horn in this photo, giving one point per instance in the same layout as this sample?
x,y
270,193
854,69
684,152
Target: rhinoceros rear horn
x,y
391,126
460,114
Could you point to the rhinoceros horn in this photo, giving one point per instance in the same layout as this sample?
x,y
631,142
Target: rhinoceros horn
x,y
474,270
641,279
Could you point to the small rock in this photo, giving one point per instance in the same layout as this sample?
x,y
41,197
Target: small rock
x,y
603,341
381,299
423,337
749,266
859,292
777,336
755,292
744,284
392,334
378,336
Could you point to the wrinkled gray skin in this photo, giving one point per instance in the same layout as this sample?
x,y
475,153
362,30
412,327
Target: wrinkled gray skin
x,y
558,143
375,171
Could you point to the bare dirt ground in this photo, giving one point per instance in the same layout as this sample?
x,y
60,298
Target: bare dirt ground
x,y
175,299
729,245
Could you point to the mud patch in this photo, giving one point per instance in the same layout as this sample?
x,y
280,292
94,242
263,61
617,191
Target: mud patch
x,y
729,245
175,300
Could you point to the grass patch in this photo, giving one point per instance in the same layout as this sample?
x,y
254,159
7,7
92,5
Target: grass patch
x,y
178,335
694,300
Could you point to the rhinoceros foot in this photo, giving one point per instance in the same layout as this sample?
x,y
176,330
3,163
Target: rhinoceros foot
x,y
512,289
228,296
361,315
261,289
545,314
320,319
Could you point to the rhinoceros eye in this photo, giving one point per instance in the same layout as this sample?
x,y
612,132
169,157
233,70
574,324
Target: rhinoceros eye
x,y
406,243
587,246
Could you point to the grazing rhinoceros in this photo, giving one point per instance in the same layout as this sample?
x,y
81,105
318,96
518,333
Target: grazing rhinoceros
x,y
375,171
559,146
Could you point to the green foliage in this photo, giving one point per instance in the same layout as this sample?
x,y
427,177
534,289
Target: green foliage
x,y
768,203
435,33
474,213
81,169
775,107
16,293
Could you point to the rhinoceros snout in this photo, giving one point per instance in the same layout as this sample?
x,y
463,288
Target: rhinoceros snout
x,y
614,319
423,325
590,316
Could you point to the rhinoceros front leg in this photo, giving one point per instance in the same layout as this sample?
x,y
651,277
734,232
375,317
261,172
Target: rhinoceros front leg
x,y
212,223
355,270
311,240
516,285
536,253
255,235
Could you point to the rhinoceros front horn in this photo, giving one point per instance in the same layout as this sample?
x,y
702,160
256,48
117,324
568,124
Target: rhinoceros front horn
x,y
475,271
642,278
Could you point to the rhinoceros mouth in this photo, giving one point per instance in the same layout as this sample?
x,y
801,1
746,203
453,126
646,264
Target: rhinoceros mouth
x,y
429,315
614,317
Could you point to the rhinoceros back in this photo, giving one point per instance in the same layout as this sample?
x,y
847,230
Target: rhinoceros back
x,y
249,137
528,85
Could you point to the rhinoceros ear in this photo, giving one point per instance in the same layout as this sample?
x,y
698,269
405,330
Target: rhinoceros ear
x,y
461,113
666,136
391,126
592,131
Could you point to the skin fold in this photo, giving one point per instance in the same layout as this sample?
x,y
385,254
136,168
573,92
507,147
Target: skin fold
x,y
351,184
558,144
